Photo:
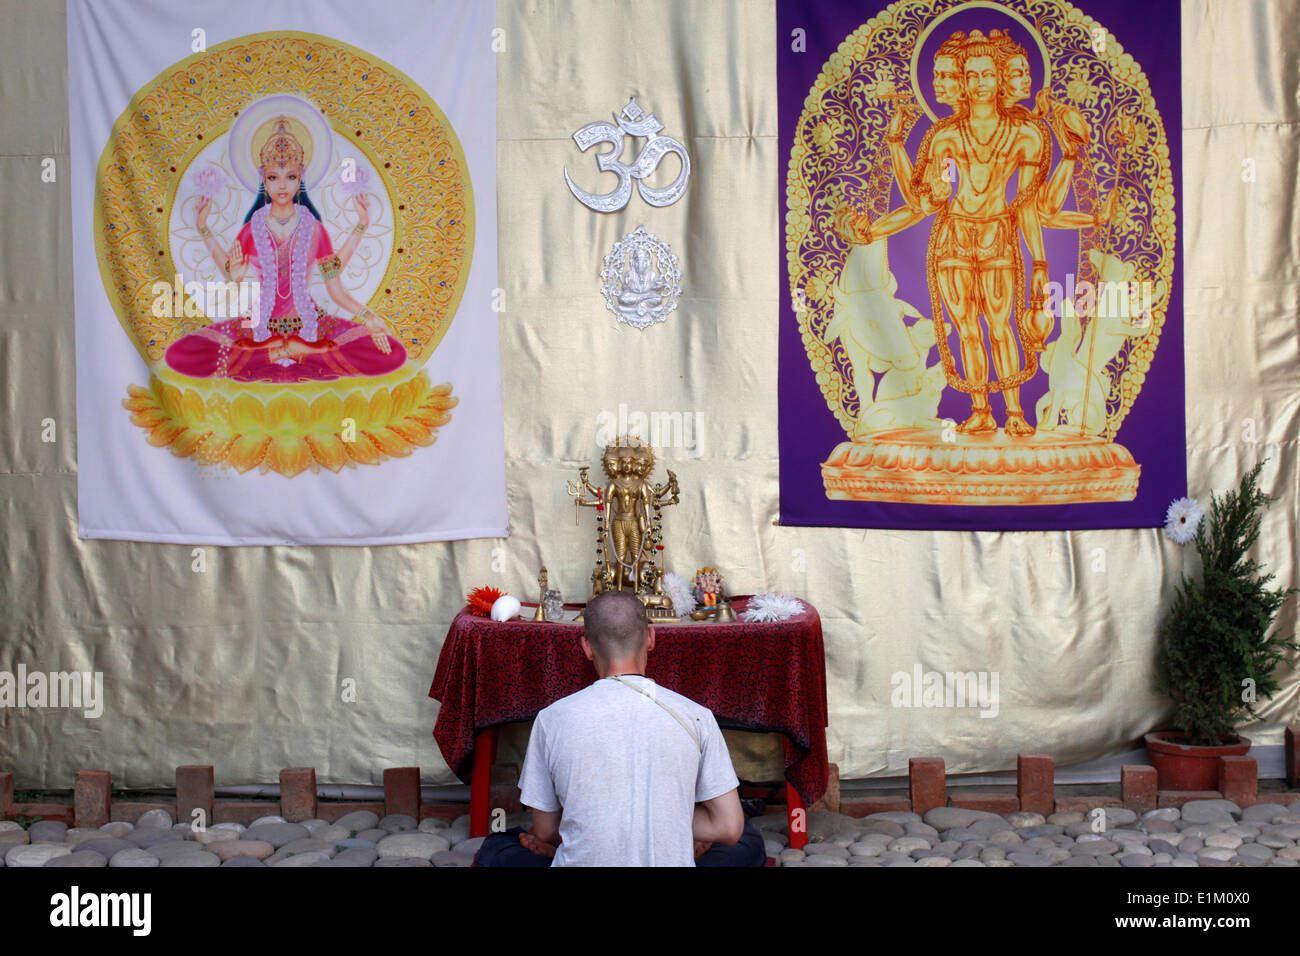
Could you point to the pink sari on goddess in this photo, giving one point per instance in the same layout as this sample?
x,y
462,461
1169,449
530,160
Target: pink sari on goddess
x,y
239,349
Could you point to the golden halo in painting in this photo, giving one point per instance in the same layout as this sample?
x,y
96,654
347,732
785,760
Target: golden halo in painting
x,y
370,248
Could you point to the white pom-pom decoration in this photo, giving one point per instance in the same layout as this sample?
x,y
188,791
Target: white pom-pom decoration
x,y
679,592
766,608
506,608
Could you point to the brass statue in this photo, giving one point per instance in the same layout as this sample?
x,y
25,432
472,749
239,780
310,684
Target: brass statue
x,y
629,535
540,616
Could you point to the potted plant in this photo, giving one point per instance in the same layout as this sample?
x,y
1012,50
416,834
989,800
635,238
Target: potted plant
x,y
1216,659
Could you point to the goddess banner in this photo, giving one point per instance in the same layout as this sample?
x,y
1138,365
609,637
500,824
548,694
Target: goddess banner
x,y
284,221
982,256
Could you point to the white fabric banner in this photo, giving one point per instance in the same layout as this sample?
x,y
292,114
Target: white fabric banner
x,y
284,220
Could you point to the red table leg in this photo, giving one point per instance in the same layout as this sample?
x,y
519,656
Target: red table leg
x,y
798,817
480,783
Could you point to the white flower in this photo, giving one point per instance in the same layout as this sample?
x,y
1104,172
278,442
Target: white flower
x,y
355,182
209,182
678,590
1182,519
764,608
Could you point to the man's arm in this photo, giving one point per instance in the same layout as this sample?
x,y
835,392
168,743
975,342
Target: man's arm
x,y
720,820
546,826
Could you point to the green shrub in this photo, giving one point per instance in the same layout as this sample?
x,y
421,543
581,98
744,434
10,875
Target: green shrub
x,y
1215,640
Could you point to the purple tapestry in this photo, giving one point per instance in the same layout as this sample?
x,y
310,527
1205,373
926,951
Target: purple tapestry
x,y
981,262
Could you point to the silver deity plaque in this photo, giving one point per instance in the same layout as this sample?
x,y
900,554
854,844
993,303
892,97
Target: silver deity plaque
x,y
641,279
633,122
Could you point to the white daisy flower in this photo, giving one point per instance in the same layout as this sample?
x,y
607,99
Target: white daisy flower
x,y
1182,519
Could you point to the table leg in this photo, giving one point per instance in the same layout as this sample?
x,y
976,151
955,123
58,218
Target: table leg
x,y
480,783
794,804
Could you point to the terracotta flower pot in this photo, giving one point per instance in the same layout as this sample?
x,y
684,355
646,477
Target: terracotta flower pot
x,y
1180,766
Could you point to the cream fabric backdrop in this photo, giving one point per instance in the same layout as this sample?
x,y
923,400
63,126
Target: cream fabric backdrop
x,y
241,665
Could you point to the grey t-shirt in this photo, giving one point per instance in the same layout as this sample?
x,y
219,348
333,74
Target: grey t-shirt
x,y
626,774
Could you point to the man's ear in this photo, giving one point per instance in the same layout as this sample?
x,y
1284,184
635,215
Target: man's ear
x,y
650,639
586,647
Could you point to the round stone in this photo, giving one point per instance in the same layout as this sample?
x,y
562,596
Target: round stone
x,y
1289,830
47,831
206,837
1118,817
1099,847
195,860
901,817
333,834
990,825
356,856
1274,841
864,850
468,846
947,818
957,863
456,857
825,859
398,823
35,854
1006,838
78,836
1026,858
132,859
257,849
1210,811
1190,845
826,849
1161,859
80,858
1255,851
1162,846
310,858
791,856
358,820
309,845
1065,818
9,825
355,843
1182,862
771,847
276,834
1261,812
921,830
175,848
1056,854
1245,831
152,836
412,844
237,827
243,861
1223,840
434,825
933,861
117,829
315,826
402,861
267,820
1137,859
1168,814
106,847
160,819
884,828
1158,826
906,844
1289,853
1215,853
1022,819
374,835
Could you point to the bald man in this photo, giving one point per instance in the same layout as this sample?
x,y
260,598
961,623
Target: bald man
x,y
624,772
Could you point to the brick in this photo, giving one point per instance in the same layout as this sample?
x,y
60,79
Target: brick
x,y
298,793
195,791
129,811
1139,787
6,794
1084,804
402,791
245,811
62,812
91,803
1176,798
925,784
863,806
1239,779
990,801
1292,747
830,800
1035,783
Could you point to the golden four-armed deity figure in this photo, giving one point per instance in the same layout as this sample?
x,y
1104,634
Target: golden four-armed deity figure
x,y
627,508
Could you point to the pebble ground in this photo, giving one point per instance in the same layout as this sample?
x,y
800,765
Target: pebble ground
x,y
1203,833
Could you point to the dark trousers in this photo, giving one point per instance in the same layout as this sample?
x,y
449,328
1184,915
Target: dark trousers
x,y
504,849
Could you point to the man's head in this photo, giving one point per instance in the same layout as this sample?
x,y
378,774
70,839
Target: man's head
x,y
616,628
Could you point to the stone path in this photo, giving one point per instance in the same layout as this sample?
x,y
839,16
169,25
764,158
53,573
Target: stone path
x,y
357,839
1203,833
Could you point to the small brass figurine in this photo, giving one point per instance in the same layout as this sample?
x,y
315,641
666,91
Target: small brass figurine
x,y
540,615
629,532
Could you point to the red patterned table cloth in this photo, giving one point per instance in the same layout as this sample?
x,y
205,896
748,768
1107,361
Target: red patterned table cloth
x,y
757,677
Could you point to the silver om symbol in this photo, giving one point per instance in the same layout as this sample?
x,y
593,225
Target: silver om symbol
x,y
634,122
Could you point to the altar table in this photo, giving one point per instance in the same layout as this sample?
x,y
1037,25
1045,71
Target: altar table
x,y
757,677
